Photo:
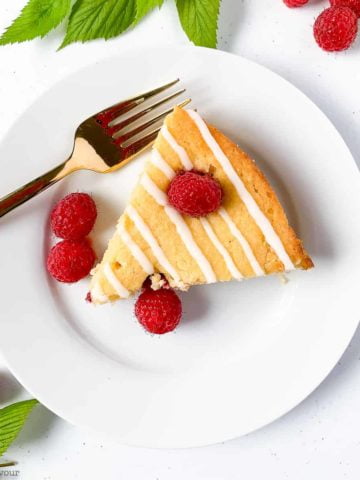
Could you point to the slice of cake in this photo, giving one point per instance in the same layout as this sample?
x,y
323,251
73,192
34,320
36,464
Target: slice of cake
x,y
247,236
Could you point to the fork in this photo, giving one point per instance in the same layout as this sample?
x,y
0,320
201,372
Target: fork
x,y
103,143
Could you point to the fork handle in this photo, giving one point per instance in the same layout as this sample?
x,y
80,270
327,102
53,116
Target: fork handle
x,y
24,193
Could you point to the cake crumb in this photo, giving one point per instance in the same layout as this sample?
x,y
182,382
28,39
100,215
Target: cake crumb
x,y
157,281
283,278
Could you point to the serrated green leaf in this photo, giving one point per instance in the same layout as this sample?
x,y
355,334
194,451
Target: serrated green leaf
x,y
143,7
36,19
91,19
199,20
12,419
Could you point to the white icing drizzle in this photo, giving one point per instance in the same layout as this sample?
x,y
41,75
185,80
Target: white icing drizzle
x,y
135,250
115,282
159,162
159,196
178,149
151,240
97,295
183,230
221,249
243,242
262,221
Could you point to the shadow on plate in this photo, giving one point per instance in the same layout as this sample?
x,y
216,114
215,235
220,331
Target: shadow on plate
x,y
337,379
195,306
108,215
9,388
343,372
38,426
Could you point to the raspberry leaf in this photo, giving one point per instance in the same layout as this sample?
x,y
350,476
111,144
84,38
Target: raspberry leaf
x,y
12,419
143,7
36,19
91,19
199,19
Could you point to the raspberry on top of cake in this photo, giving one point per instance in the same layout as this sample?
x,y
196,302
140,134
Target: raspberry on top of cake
x,y
238,230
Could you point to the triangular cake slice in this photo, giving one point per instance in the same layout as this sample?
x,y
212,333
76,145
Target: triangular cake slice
x,y
248,236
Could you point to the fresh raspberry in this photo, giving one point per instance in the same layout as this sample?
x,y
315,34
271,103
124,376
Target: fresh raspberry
x,y
195,193
353,4
295,3
158,311
70,260
147,284
335,28
74,216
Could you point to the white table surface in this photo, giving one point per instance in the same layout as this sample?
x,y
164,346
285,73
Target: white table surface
x,y
321,437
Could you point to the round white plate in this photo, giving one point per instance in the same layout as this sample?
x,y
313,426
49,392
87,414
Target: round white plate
x,y
245,353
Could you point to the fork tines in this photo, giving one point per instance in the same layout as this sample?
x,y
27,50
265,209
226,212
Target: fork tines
x,y
123,129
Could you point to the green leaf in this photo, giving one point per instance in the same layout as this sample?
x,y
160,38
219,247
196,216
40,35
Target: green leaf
x,y
90,19
143,7
199,20
12,419
36,19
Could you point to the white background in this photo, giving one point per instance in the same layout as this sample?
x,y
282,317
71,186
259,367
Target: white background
x,y
321,437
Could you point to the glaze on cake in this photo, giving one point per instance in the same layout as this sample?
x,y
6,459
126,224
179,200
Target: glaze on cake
x,y
248,236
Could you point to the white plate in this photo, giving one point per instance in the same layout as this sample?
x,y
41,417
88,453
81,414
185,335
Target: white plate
x,y
245,353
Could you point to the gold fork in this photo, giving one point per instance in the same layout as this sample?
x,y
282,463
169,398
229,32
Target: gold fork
x,y
103,143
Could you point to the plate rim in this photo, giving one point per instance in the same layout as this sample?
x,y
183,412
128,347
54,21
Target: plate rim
x,y
355,322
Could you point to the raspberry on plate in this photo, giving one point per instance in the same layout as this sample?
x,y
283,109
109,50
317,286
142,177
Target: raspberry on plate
x,y
195,193
69,260
158,311
335,28
74,216
295,3
353,4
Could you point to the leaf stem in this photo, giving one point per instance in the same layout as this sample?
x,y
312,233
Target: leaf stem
x,y
8,464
